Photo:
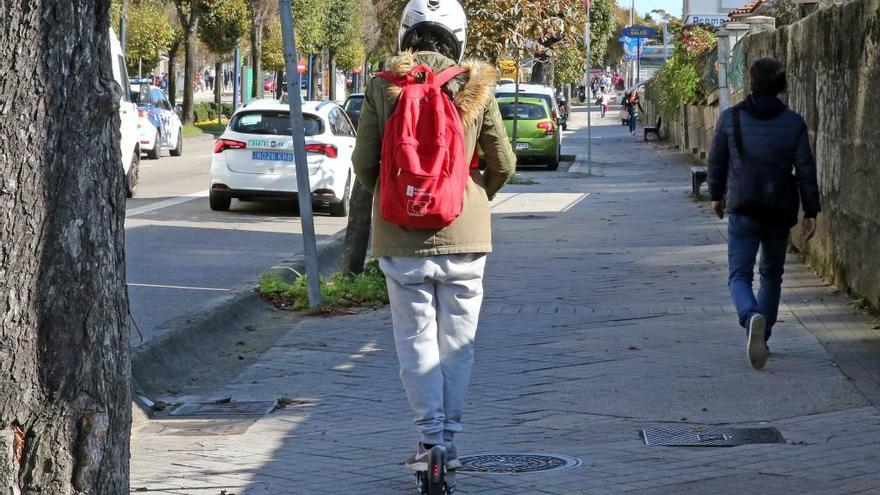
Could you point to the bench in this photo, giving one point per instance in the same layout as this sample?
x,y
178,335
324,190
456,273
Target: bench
x,y
654,130
699,175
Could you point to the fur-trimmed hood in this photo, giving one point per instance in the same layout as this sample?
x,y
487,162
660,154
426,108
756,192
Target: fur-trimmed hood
x,y
471,91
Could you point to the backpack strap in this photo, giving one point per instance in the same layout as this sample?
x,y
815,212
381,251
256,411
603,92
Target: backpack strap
x,y
737,132
447,75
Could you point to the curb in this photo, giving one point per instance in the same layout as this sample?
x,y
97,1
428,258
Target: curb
x,y
209,328
581,168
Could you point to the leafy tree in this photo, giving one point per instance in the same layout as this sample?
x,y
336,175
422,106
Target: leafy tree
x,y
679,78
65,402
148,34
189,13
343,29
223,25
261,11
273,46
785,12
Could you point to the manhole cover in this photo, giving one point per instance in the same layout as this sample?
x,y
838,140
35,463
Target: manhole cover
x,y
710,437
213,409
515,463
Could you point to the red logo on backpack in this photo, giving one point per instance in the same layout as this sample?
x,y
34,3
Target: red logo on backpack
x,y
424,169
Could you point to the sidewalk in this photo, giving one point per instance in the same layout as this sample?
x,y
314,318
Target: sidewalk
x,y
606,311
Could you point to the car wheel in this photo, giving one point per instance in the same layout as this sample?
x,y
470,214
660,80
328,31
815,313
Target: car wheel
x,y
178,150
154,153
131,178
219,202
553,162
340,209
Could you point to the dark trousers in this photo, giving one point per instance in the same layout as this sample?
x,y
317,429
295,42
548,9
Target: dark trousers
x,y
746,236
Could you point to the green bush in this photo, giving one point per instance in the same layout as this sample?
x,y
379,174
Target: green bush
x,y
338,292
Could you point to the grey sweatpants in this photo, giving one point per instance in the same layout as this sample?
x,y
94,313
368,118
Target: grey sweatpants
x,y
435,307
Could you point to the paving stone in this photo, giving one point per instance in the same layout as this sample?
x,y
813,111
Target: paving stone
x,y
599,320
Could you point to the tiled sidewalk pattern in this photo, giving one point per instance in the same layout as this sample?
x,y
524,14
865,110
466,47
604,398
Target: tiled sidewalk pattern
x,y
599,320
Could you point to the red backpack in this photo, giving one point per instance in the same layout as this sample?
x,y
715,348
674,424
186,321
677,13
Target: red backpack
x,y
424,169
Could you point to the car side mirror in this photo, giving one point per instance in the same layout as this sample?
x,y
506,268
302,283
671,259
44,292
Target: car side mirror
x,y
178,110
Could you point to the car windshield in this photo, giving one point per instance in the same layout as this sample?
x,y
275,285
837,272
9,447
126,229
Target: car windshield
x,y
353,105
274,123
526,111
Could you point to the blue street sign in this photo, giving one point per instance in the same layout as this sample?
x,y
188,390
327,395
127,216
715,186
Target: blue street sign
x,y
639,32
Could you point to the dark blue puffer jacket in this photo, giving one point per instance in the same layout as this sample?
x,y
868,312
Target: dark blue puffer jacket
x,y
760,184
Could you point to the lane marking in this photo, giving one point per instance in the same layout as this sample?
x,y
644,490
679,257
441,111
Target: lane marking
x,y
157,286
158,205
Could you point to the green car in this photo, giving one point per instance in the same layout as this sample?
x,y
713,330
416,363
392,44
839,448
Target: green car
x,y
538,139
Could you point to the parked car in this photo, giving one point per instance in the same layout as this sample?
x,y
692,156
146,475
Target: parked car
x,y
253,159
353,106
154,107
537,132
546,93
128,118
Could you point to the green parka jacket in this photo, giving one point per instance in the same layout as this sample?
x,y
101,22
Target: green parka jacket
x,y
473,95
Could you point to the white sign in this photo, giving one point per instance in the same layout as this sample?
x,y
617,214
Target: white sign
x,y
732,4
711,19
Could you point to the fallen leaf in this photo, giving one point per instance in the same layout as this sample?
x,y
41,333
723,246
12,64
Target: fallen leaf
x,y
225,400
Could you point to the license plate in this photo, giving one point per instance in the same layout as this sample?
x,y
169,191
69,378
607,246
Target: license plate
x,y
272,156
522,146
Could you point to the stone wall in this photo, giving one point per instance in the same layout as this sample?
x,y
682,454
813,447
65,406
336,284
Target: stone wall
x,y
833,63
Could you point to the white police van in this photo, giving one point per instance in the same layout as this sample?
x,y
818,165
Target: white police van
x,y
128,118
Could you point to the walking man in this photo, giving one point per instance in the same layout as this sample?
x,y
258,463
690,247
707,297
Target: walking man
x,y
757,145
435,275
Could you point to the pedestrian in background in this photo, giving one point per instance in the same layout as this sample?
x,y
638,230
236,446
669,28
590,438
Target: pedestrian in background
x,y
435,276
631,107
757,145
602,101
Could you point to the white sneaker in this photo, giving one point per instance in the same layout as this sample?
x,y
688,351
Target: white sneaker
x,y
757,345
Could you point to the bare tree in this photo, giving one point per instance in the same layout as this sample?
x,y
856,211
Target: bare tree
x,y
261,11
65,405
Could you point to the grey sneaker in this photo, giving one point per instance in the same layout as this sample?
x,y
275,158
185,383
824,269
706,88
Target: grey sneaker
x,y
419,461
757,344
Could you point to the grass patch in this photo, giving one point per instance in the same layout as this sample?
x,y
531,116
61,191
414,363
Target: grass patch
x,y
339,292
207,127
518,180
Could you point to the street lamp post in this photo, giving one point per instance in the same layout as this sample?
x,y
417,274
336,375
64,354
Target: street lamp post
x,y
297,129
587,90
123,21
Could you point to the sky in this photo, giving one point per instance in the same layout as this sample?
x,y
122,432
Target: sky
x,y
674,7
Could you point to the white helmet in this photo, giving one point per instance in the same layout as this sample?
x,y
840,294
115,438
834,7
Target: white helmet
x,y
444,18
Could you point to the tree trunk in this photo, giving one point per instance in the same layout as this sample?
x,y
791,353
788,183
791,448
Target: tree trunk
x,y
189,71
172,74
257,57
542,71
332,63
65,403
316,74
279,84
357,233
218,89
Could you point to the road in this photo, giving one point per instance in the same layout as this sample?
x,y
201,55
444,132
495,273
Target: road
x,y
182,258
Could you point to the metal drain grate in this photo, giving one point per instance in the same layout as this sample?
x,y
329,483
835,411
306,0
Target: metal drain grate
x,y
515,463
214,409
710,437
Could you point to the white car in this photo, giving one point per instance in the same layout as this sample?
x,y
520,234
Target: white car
x,y
253,158
147,133
128,117
153,106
